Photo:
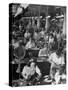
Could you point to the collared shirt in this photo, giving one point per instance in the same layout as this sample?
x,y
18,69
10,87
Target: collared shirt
x,y
51,40
29,71
57,60
27,35
30,45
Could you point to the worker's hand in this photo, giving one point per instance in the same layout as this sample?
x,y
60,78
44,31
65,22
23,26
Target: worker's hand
x,y
38,77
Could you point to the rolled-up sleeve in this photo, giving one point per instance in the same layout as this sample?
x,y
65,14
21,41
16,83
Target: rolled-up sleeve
x,y
24,73
38,71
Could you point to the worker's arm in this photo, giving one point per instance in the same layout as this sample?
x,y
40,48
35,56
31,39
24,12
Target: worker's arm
x,y
63,62
50,59
38,72
24,73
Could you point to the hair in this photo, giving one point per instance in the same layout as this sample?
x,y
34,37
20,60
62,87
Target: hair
x,y
58,52
29,63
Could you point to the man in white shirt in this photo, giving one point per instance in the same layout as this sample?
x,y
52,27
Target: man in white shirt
x,y
27,35
30,44
57,61
15,44
29,71
51,42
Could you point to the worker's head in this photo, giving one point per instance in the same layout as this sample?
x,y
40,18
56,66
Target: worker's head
x,y
32,64
58,52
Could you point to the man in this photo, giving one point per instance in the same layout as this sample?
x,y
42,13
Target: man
x,y
36,36
30,44
51,42
57,62
30,72
42,33
15,44
27,35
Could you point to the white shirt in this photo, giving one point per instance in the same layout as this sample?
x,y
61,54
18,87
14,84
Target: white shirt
x,y
27,35
51,40
36,36
55,59
29,45
15,44
41,34
29,71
